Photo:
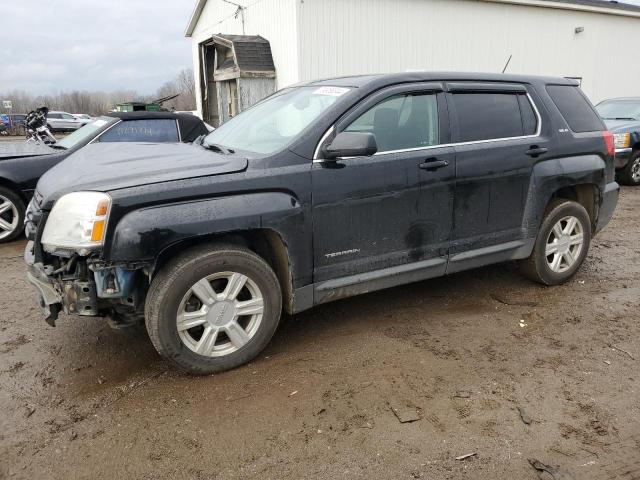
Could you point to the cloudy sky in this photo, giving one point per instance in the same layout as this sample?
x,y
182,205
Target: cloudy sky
x,y
49,46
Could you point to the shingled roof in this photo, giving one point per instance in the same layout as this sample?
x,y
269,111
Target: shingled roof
x,y
252,52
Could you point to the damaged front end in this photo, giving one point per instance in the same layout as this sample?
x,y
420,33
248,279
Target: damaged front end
x,y
86,286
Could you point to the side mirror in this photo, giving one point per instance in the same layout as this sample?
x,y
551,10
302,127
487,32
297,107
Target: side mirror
x,y
351,144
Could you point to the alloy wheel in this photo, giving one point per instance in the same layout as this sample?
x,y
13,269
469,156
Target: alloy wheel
x,y
564,244
219,314
9,217
635,170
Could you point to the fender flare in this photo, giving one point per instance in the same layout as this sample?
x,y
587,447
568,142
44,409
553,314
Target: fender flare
x,y
550,176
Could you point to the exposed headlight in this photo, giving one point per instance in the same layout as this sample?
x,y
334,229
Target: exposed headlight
x,y
622,140
77,222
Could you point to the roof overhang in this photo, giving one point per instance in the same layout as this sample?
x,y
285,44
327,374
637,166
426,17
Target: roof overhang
x,y
593,6
195,16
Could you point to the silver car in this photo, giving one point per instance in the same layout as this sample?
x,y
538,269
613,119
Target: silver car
x,y
64,122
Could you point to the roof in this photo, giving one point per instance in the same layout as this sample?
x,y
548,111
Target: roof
x,y
382,80
252,52
598,6
144,115
595,6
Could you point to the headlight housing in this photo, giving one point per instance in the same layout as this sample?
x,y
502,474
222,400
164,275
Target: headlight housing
x,y
622,140
77,223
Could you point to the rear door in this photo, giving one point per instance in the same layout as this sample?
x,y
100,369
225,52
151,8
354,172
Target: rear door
x,y
496,132
371,214
55,121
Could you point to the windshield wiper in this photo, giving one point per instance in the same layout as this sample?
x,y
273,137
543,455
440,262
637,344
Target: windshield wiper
x,y
218,148
59,147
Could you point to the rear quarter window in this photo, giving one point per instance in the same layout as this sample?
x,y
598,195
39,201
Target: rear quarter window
x,y
575,108
161,130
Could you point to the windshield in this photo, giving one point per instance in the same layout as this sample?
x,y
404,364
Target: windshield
x,y
620,110
85,133
275,122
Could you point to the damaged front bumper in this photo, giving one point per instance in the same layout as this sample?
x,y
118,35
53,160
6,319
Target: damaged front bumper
x,y
102,292
49,298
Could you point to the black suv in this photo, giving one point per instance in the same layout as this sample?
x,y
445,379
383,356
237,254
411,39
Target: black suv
x,y
320,192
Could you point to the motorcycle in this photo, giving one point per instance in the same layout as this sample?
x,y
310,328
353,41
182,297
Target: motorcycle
x,y
36,127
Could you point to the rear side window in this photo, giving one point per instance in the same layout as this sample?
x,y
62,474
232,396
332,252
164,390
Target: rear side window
x,y
574,108
492,115
160,130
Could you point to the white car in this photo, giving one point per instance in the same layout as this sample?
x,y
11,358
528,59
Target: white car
x,y
64,122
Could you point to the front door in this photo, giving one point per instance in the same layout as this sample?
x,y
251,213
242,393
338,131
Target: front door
x,y
497,131
386,215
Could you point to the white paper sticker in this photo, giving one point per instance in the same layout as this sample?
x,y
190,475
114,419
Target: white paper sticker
x,y
99,123
331,91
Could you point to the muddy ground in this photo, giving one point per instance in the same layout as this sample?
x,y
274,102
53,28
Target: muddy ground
x,y
460,354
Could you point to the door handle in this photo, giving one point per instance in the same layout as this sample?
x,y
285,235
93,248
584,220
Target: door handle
x,y
433,164
536,151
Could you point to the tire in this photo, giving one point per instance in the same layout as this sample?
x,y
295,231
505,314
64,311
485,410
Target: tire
x,y
539,267
630,174
172,290
12,211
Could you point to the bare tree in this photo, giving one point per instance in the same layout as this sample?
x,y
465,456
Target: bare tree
x,y
97,102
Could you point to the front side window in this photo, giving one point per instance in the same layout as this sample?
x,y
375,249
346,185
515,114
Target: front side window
x,y
401,122
157,130
85,133
493,115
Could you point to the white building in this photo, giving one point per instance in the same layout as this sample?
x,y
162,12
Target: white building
x,y
595,41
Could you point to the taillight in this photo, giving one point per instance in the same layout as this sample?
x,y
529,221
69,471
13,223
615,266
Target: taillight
x,y
609,142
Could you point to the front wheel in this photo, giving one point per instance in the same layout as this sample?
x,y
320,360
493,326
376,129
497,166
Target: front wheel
x,y
11,215
630,174
213,309
561,245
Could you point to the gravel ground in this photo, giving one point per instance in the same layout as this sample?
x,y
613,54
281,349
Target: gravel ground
x,y
464,358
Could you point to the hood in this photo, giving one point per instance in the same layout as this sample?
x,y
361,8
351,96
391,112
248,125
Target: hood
x,y
24,149
111,166
623,126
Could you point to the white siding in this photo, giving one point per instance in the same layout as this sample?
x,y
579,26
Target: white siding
x,y
275,20
313,39
338,37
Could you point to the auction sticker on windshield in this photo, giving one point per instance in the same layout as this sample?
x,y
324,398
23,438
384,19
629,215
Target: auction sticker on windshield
x,y
331,91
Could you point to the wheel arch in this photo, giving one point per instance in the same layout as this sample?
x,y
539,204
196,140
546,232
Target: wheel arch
x,y
264,242
586,194
5,182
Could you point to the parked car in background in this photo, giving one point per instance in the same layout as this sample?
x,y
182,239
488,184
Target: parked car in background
x,y
622,116
64,122
319,192
22,164
83,116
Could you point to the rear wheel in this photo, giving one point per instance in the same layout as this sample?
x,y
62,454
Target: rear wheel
x,y
630,174
562,244
11,215
213,309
